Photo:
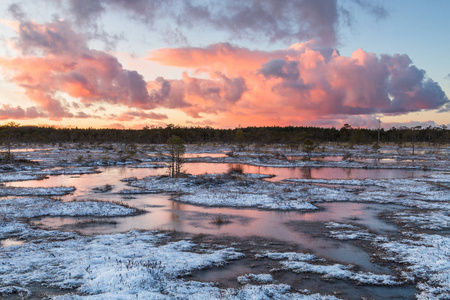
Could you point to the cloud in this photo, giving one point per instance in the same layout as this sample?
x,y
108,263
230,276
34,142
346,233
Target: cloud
x,y
10,112
55,38
270,20
302,82
223,56
372,8
58,63
131,115
410,88
143,10
83,115
412,124
197,95
17,12
115,126
280,68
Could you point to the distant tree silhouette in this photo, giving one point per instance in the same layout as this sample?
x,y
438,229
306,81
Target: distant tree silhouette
x,y
9,132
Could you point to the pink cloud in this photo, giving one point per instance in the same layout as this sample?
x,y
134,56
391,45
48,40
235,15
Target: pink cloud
x,y
299,84
131,115
10,112
302,82
57,60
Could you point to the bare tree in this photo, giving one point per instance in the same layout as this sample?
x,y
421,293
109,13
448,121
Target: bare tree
x,y
176,150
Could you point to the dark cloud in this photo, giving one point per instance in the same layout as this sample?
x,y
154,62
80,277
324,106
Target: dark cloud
x,y
410,88
280,68
270,20
161,91
17,12
86,10
233,88
53,38
89,10
374,9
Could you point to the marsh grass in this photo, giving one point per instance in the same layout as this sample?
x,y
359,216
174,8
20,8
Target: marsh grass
x,y
220,220
104,188
235,169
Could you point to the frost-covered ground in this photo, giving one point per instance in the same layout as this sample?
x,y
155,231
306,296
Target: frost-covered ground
x,y
426,257
145,265
155,265
235,190
247,190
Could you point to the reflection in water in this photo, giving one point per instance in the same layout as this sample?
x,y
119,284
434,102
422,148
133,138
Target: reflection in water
x,y
166,214
111,175
355,159
194,155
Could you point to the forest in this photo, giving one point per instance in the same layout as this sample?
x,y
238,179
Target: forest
x,y
290,135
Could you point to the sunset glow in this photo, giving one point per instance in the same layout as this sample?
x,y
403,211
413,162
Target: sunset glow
x,y
121,64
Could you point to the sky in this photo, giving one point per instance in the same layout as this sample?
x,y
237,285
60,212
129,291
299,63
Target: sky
x,y
136,63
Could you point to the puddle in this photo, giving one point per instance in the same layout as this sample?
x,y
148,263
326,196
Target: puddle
x,y
362,214
165,214
355,159
282,173
19,150
10,242
227,277
198,155
111,175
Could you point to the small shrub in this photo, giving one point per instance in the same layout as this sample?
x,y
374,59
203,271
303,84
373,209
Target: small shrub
x,y
230,154
376,147
347,156
235,169
103,189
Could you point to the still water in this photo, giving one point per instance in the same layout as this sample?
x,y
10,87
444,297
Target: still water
x,y
165,214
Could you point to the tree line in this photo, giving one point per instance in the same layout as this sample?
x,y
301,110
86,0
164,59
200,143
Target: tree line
x,y
289,135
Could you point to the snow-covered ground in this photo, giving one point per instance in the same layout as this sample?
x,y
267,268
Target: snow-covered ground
x,y
156,265
307,263
144,265
246,190
39,191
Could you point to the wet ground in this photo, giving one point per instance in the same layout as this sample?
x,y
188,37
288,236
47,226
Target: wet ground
x,y
252,246
251,230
